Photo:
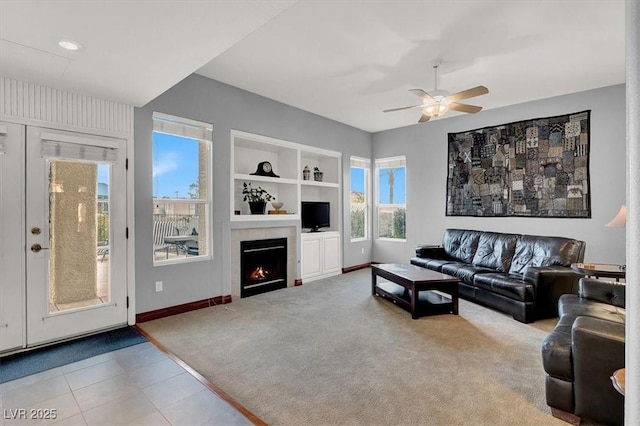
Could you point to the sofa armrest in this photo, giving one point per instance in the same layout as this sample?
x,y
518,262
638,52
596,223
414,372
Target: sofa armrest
x,y
602,291
431,252
598,350
549,283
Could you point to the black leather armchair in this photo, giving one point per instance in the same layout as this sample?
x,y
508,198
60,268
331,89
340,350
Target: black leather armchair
x,y
583,351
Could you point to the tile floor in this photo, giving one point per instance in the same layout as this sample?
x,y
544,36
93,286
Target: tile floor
x,y
137,385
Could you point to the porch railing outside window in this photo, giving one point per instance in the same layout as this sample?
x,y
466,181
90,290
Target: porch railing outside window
x,y
181,188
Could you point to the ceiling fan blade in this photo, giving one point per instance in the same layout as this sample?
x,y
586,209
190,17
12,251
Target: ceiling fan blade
x,y
401,108
424,118
472,109
469,93
421,94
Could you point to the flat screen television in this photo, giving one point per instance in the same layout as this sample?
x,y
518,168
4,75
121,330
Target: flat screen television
x,y
315,215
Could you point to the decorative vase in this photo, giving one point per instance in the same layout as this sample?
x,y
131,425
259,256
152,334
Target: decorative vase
x,y
317,176
306,173
257,207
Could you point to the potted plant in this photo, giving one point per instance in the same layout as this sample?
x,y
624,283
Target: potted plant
x,y
317,174
257,198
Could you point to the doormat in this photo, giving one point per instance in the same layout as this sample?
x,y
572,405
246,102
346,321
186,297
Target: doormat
x,y
531,168
24,364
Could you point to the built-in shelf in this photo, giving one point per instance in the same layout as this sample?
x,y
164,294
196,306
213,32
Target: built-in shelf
x,y
288,160
320,184
255,178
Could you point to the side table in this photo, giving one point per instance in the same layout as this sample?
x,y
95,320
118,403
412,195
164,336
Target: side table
x,y
600,270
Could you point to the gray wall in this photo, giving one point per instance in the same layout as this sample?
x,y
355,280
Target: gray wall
x,y
425,147
202,99
226,107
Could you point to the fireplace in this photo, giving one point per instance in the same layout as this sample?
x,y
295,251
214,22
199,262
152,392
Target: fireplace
x,y
263,266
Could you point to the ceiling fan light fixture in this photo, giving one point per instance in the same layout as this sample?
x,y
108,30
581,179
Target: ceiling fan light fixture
x,y
436,109
69,44
436,103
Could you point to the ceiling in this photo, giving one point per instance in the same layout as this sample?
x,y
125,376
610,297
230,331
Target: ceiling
x,y
344,60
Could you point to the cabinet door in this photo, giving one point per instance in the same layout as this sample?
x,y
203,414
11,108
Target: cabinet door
x,y
331,251
311,257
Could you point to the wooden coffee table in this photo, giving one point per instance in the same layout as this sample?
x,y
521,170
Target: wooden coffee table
x,y
413,288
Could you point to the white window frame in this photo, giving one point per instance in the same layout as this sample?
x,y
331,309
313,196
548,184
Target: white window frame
x,y
385,163
365,164
202,132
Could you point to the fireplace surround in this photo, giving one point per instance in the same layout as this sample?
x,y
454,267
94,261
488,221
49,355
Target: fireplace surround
x,y
245,232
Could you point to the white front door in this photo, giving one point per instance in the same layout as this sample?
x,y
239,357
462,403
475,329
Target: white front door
x,y
74,233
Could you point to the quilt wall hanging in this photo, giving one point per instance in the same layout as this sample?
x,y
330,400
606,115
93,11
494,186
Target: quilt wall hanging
x,y
531,168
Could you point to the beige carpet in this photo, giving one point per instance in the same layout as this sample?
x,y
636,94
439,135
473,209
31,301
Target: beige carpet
x,y
329,353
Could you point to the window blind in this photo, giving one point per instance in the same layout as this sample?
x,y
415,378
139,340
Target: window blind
x,y
389,163
192,129
58,149
361,163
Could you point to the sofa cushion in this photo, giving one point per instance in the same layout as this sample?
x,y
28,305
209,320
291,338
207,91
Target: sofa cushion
x,y
532,250
464,271
511,286
495,250
574,305
433,264
461,244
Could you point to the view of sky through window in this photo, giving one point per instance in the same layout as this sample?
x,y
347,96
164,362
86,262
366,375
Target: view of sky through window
x,y
357,180
103,173
175,165
398,185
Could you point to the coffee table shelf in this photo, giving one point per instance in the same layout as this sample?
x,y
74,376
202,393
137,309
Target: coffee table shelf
x,y
414,289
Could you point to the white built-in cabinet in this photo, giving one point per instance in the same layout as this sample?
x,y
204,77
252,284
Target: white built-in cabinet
x,y
320,255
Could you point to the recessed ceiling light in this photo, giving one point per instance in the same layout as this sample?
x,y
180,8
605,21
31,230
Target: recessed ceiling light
x,y
70,45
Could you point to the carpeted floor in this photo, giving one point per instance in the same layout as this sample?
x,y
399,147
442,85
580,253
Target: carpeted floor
x,y
23,364
330,353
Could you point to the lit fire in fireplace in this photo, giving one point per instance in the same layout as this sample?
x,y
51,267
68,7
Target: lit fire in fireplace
x,y
259,273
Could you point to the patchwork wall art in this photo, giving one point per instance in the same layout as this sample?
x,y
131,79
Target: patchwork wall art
x,y
531,168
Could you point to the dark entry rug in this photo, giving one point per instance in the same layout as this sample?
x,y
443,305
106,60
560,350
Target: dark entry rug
x,y
24,364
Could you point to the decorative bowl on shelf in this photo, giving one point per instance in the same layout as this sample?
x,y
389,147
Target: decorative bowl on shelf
x,y
277,205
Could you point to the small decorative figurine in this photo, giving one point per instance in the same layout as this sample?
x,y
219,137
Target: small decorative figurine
x,y
306,173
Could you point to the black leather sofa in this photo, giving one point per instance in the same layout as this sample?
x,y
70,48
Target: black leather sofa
x,y
523,275
582,352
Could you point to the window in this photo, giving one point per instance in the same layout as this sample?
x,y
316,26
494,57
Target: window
x,y
360,168
181,189
391,199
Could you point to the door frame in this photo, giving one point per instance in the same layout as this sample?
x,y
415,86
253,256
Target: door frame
x,y
13,332
126,134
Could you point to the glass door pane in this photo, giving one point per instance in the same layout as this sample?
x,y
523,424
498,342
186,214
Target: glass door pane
x,y
79,272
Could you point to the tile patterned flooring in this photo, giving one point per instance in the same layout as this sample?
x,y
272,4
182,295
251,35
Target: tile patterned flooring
x,y
137,385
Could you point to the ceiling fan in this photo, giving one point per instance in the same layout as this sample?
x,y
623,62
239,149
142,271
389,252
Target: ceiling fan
x,y
436,102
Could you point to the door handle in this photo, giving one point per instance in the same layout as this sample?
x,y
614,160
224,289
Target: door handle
x,y
37,247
